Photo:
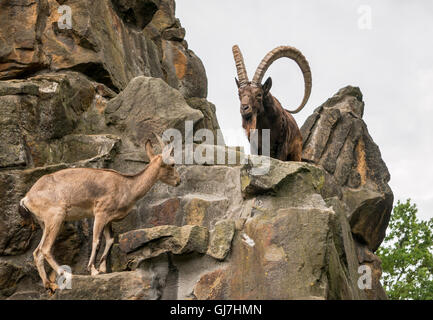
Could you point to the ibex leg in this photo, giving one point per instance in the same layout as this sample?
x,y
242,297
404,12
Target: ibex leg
x,y
98,225
52,228
109,239
39,260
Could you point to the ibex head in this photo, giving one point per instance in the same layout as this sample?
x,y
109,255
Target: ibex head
x,y
253,93
167,171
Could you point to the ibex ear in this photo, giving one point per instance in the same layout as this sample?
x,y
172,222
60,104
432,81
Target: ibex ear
x,y
267,86
237,82
149,149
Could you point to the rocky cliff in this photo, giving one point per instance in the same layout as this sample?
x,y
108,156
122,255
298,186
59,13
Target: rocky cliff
x,y
90,96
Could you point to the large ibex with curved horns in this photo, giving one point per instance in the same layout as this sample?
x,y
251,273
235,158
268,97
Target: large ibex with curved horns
x,y
77,193
260,110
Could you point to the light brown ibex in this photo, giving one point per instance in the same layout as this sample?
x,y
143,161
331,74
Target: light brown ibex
x,y
77,193
260,110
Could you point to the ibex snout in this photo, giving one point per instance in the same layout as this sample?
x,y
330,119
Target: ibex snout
x,y
245,108
174,182
246,111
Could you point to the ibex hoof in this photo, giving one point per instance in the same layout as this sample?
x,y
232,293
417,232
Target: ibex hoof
x,y
102,269
51,287
93,271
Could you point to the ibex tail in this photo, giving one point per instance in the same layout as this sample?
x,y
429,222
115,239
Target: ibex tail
x,y
26,214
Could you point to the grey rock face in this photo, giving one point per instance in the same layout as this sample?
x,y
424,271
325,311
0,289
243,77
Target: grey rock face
x,y
336,137
91,97
221,239
132,285
255,229
39,109
111,41
149,105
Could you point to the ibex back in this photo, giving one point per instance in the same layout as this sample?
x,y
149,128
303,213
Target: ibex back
x,y
77,193
260,110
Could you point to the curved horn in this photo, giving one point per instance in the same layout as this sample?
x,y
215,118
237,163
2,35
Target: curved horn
x,y
240,66
291,53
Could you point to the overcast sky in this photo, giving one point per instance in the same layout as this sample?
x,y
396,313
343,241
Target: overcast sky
x,y
392,63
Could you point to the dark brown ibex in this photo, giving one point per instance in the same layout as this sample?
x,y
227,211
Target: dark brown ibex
x,y
77,193
260,110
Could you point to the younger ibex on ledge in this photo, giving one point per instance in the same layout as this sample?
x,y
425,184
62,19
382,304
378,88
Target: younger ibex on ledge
x,y
77,193
260,110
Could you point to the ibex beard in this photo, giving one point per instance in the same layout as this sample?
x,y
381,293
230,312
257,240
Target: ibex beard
x,y
260,110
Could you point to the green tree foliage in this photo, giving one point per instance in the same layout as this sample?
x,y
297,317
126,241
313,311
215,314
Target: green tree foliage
x,y
406,253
